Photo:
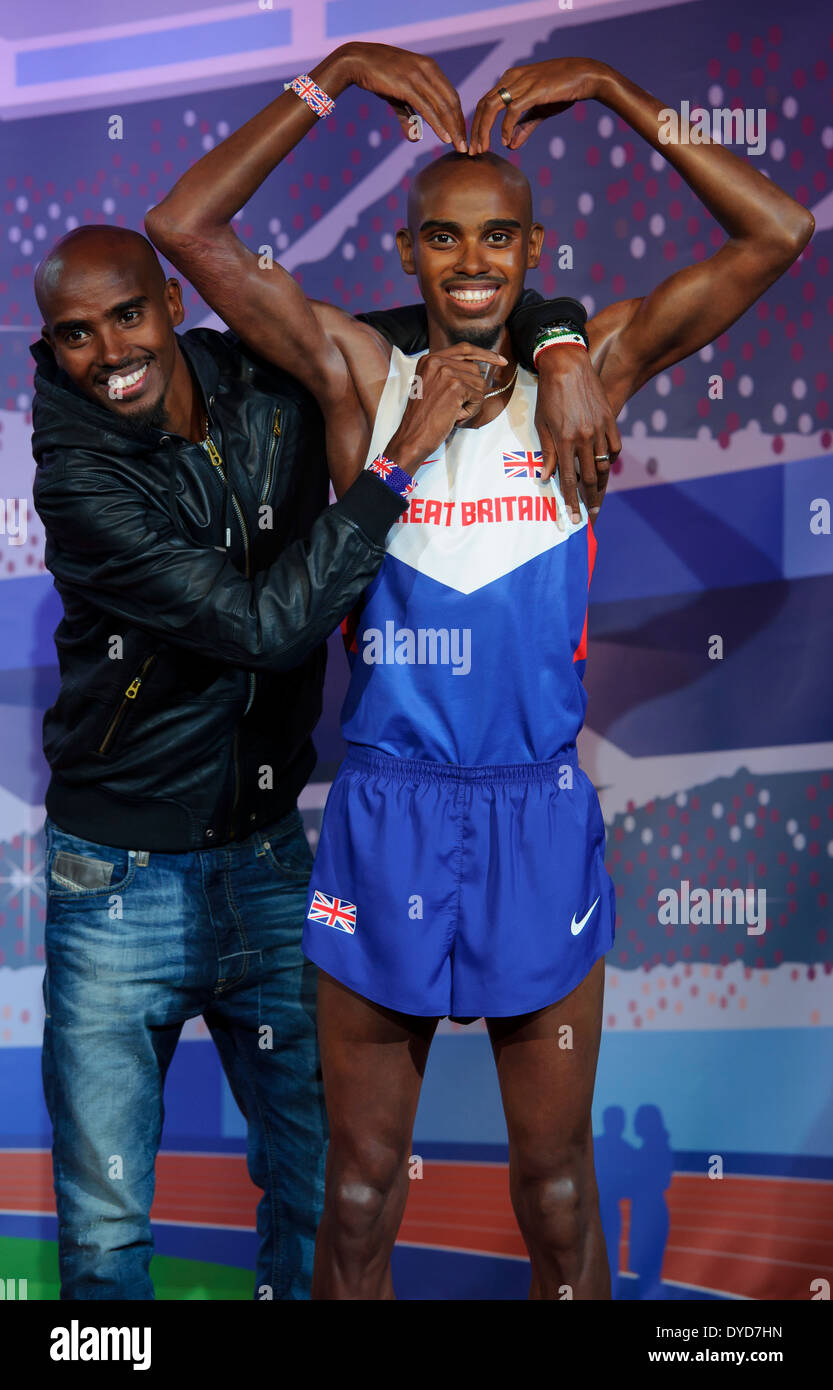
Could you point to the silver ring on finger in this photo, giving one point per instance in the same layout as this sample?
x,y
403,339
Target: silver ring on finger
x,y
600,458
505,95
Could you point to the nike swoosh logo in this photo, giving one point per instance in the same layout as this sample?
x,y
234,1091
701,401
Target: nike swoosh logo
x,y
575,927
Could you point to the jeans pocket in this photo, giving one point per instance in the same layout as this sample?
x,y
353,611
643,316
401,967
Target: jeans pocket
x,y
79,869
287,848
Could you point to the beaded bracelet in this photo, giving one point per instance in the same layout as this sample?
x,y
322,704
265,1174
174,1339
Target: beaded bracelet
x,y
309,91
567,324
395,477
550,337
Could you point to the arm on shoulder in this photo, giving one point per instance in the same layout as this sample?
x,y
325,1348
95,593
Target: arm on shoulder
x,y
129,558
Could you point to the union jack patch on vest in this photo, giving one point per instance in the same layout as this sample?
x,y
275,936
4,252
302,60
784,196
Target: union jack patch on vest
x,y
334,912
523,463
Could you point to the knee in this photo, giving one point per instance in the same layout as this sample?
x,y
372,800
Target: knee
x,y
549,1205
357,1205
359,1190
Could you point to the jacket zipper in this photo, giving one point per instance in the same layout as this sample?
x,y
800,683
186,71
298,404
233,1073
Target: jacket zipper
x,y
267,487
214,454
130,694
216,459
270,463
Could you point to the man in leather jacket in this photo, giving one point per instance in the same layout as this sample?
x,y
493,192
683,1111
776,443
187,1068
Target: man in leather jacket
x,y
183,484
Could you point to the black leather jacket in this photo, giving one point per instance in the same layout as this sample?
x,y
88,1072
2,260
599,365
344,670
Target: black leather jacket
x,y
192,674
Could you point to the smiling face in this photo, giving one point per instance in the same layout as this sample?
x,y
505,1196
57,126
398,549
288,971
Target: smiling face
x,y
109,317
470,241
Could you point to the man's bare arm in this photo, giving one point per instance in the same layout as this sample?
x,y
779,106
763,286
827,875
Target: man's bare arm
x,y
263,303
632,340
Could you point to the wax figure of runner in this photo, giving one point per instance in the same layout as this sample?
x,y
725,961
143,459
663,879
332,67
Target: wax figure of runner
x,y
461,861
182,482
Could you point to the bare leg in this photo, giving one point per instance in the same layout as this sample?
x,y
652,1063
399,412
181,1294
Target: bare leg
x,y
546,1065
373,1061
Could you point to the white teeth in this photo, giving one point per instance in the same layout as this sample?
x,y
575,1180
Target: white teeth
x,y
121,382
472,296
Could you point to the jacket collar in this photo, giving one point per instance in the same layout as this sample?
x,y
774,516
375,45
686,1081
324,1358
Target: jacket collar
x,y
205,370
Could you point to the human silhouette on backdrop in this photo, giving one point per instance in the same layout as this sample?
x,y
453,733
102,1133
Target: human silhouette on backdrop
x,y
642,1175
615,1163
650,1218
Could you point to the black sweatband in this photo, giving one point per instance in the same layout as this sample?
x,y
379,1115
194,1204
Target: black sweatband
x,y
528,322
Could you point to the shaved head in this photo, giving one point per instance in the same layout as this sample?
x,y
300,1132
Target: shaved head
x,y
87,247
470,240
109,316
446,171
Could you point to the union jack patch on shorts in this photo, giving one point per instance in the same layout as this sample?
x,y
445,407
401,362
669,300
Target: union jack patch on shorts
x,y
334,912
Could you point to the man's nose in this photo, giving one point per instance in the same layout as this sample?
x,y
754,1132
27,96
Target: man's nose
x,y
473,258
113,350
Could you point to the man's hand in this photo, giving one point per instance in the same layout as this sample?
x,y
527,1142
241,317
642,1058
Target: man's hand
x,y
409,82
451,390
538,90
573,417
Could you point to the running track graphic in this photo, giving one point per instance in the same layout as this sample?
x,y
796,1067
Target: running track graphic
x,y
743,1237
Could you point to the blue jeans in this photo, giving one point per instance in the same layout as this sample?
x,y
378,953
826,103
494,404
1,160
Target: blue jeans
x,y
137,943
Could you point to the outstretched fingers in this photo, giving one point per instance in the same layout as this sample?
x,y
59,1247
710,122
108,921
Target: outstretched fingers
x,y
491,104
437,100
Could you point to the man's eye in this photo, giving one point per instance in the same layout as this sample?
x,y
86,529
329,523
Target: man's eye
x,y
74,335
503,235
442,237
130,314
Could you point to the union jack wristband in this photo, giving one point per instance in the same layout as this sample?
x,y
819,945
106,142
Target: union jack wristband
x,y
395,477
309,91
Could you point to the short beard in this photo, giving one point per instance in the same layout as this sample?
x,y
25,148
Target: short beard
x,y
140,423
478,337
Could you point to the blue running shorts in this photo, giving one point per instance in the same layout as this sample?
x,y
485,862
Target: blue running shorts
x,y
467,891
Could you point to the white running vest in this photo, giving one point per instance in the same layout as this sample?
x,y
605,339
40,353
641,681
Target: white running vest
x,y
469,646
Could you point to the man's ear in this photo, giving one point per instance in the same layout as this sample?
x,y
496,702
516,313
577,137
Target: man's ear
x,y
404,242
47,337
536,245
173,298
